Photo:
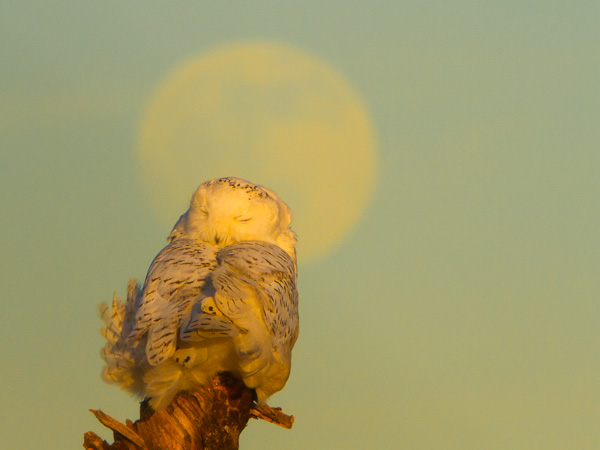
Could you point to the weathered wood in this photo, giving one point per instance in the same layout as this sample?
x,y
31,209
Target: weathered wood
x,y
272,415
210,418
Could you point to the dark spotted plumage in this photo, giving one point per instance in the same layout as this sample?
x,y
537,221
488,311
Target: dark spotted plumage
x,y
221,296
184,267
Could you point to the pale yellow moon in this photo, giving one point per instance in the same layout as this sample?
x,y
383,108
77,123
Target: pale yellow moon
x,y
270,114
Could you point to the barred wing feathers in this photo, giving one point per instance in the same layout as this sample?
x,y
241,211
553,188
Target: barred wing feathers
x,y
254,299
221,296
175,278
120,357
271,273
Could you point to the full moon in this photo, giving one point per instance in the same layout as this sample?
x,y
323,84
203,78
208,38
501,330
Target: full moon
x,y
270,114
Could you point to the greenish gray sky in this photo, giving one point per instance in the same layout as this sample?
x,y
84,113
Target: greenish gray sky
x,y
461,310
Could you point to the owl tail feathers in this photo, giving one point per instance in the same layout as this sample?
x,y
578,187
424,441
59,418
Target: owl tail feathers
x,y
118,320
113,320
119,363
118,354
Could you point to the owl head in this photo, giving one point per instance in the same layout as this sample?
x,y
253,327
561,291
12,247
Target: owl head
x,y
228,210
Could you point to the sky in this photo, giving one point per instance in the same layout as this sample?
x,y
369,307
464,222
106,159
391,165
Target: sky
x,y
456,308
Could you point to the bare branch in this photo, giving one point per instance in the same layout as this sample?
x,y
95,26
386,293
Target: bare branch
x,y
210,418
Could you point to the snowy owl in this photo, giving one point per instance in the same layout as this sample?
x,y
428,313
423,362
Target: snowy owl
x,y
220,297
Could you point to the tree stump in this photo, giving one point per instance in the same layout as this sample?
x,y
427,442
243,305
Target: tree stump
x,y
210,418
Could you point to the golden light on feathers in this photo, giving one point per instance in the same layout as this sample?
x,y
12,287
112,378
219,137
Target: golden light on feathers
x,y
220,297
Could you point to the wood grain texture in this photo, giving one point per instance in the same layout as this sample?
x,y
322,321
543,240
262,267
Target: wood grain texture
x,y
210,418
